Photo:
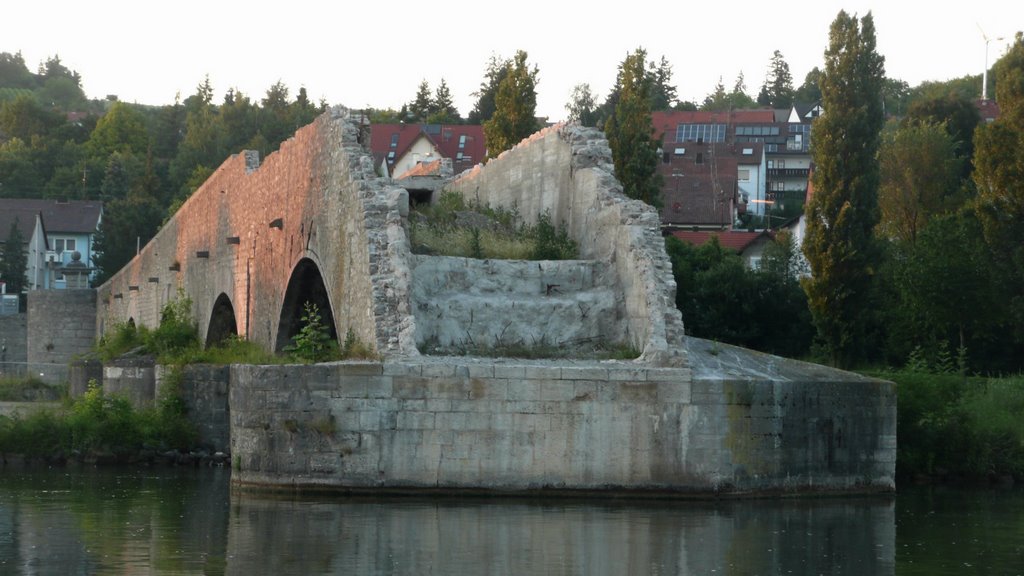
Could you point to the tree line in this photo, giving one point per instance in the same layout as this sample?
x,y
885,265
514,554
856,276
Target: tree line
x,y
913,232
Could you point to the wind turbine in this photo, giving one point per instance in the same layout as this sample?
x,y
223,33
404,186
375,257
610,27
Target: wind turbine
x,y
984,74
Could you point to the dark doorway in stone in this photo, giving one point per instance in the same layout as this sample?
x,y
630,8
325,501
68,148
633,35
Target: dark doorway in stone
x,y
305,285
222,321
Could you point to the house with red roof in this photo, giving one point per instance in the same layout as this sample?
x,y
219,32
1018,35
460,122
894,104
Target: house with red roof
x,y
398,148
749,245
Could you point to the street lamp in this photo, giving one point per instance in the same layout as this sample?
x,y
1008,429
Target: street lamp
x,y
984,74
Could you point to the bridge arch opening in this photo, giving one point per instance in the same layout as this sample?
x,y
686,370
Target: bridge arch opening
x,y
305,285
222,321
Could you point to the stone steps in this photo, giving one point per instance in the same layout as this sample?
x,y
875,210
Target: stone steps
x,y
463,304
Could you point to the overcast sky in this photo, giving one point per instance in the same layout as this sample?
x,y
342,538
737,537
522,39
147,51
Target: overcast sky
x,y
367,54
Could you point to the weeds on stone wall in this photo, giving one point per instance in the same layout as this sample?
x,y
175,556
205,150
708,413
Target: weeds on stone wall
x,y
177,335
313,342
29,389
539,349
454,227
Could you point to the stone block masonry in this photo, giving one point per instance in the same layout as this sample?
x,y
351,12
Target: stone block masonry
x,y
61,326
13,344
523,426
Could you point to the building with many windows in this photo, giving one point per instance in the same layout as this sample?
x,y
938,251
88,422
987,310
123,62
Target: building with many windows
x,y
723,170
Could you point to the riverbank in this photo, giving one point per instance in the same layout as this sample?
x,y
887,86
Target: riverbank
x,y
955,430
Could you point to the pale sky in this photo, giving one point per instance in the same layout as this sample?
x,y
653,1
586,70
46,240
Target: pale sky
x,y
366,54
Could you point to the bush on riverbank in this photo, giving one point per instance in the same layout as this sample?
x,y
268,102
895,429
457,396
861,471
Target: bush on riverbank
x,y
99,426
950,426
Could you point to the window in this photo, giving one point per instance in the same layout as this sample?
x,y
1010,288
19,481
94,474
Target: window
x,y
780,164
700,158
771,164
391,157
666,157
63,244
394,140
680,151
744,175
458,156
748,151
462,142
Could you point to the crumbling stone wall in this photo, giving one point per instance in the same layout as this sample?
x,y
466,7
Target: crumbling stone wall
x,y
244,231
566,171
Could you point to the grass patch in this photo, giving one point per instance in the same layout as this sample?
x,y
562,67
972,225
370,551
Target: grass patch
x,y
29,389
453,227
541,350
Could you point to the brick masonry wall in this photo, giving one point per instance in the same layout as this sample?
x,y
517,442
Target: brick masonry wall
x,y
13,344
524,426
61,325
242,233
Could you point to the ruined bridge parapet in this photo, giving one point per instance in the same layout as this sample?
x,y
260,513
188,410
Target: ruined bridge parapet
x,y
313,221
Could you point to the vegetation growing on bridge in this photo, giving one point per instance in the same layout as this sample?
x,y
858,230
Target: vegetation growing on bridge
x,y
454,227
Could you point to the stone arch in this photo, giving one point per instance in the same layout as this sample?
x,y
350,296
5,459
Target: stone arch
x,y
305,285
222,321
131,321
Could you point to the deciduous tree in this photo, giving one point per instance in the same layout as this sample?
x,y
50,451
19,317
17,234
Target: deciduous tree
x,y
999,174
920,174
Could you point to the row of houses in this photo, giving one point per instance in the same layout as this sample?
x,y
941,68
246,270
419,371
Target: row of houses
x,y
722,172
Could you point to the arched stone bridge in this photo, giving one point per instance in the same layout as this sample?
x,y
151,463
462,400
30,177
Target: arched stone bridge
x,y
315,223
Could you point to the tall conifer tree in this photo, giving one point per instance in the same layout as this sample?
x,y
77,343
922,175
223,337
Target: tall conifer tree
x,y
630,134
515,107
844,209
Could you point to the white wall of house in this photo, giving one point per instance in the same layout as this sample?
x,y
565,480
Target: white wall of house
x,y
35,269
751,178
422,150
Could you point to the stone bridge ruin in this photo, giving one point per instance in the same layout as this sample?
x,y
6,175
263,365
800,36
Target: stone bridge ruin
x,y
315,223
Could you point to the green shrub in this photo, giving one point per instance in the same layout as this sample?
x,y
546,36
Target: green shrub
x,y
551,243
951,425
313,342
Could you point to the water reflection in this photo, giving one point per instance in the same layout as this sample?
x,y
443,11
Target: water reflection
x,y
189,522
501,537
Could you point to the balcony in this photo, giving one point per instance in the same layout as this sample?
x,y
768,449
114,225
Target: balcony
x,y
788,172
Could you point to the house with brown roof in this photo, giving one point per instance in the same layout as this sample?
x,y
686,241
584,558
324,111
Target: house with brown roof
x,y
68,227
398,148
762,155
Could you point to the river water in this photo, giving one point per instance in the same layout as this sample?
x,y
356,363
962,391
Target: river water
x,y
168,521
